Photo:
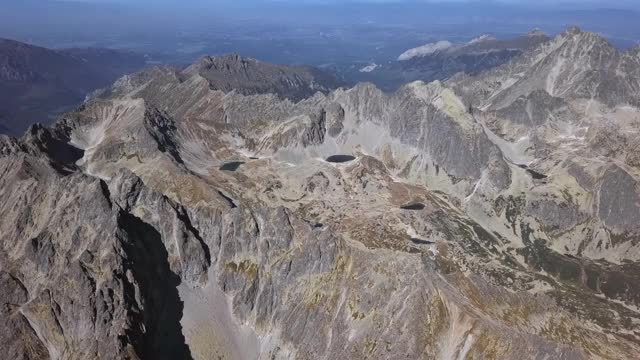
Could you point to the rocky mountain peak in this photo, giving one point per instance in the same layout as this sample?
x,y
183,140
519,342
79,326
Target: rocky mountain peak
x,y
585,36
574,64
228,62
573,30
536,32
251,76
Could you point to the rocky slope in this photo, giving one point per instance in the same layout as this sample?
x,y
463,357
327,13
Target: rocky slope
x,y
172,218
36,84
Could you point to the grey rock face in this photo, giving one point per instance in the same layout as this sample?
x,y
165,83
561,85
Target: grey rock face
x,y
619,203
532,110
558,217
451,138
19,338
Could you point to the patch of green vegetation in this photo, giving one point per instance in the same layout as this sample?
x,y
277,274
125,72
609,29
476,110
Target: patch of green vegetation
x,y
352,304
370,346
445,265
517,314
357,315
436,322
314,299
490,347
562,330
320,290
407,168
245,267
342,265
567,195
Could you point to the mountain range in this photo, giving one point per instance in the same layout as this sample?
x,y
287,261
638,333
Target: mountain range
x,y
441,60
242,210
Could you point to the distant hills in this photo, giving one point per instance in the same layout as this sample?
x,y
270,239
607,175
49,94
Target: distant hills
x,y
37,83
441,60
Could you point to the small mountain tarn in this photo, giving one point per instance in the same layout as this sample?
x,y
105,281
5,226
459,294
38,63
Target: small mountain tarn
x,y
231,165
338,159
419,241
147,261
413,206
534,174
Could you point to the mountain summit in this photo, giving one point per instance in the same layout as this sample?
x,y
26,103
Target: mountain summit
x,y
574,65
250,76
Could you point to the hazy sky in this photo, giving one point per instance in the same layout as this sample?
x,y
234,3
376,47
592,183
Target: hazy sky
x,y
564,4
153,23
574,3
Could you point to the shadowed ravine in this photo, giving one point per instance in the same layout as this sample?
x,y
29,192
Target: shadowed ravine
x,y
160,333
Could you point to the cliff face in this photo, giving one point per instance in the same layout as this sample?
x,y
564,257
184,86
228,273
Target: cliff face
x,y
172,218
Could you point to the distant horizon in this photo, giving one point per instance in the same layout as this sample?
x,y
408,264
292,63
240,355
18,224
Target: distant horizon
x,y
315,32
574,3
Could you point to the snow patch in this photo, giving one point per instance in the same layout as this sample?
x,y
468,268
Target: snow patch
x,y
475,189
435,47
369,68
552,78
424,50
480,39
